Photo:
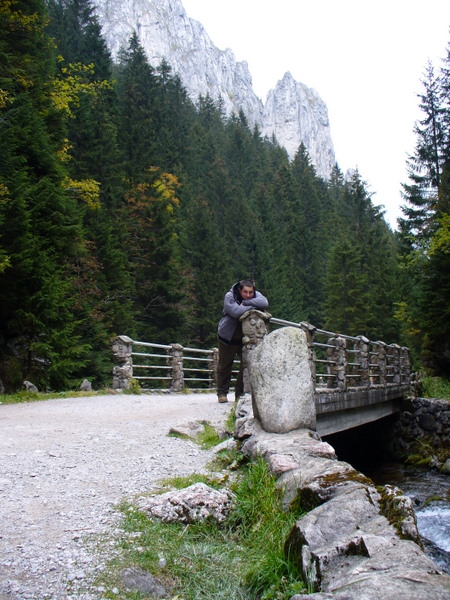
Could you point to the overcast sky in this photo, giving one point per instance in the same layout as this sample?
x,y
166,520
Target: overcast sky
x,y
365,60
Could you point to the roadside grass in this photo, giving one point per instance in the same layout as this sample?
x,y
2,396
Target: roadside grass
x,y
209,437
25,396
436,387
242,558
206,439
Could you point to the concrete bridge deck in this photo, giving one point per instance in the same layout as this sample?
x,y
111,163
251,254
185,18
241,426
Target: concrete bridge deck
x,y
340,410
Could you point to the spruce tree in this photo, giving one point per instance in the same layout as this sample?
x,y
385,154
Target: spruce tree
x,y
41,230
424,230
151,219
425,166
313,236
136,86
94,159
346,288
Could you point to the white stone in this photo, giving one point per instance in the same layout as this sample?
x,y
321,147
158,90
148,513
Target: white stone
x,y
281,382
191,429
189,505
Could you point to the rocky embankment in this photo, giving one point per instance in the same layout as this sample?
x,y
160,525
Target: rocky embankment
x,y
354,542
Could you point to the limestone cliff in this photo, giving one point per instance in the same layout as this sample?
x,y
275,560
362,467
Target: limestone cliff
x,y
293,113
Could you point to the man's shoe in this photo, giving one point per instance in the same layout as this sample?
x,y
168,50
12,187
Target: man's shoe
x,y
222,399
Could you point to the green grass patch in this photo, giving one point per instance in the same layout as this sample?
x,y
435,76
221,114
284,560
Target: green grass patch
x,y
242,558
206,439
263,527
209,437
231,460
436,387
231,420
25,396
179,483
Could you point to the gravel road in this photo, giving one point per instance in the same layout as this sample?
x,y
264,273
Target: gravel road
x,y
65,464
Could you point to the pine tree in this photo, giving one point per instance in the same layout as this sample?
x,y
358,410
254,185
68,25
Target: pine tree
x,y
424,231
137,113
425,166
313,235
93,159
346,286
152,209
374,264
174,114
202,228
41,231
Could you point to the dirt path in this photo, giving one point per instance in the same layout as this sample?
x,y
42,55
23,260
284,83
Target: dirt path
x,y
64,466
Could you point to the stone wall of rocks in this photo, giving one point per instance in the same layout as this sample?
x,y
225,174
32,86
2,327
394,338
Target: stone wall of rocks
x,y
347,545
424,427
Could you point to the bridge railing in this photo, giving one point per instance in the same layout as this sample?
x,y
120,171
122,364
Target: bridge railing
x,y
162,366
338,362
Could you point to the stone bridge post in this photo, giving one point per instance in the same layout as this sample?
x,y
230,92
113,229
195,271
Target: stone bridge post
x,y
122,348
254,328
175,360
212,365
309,332
405,366
394,363
379,362
337,358
362,358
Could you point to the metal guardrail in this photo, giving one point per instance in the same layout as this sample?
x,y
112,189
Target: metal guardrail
x,y
197,371
339,362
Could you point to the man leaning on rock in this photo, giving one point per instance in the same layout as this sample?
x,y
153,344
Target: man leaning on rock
x,y
241,298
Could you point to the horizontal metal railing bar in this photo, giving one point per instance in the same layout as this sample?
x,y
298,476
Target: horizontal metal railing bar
x,y
284,322
321,360
196,358
151,345
151,367
141,377
150,355
336,335
321,345
196,379
200,350
315,331
192,370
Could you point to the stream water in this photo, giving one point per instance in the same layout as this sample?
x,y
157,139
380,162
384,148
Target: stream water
x,y
430,493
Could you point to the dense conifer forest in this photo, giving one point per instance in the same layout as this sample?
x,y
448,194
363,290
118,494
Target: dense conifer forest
x,y
125,208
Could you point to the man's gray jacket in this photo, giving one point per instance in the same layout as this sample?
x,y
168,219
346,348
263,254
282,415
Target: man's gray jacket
x,y
233,307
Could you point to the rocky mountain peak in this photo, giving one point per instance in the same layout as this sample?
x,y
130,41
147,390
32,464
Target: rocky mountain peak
x,y
293,113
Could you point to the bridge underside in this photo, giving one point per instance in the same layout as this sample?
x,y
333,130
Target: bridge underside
x,y
338,411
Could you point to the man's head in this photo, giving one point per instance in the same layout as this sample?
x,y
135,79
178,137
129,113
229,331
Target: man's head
x,y
247,289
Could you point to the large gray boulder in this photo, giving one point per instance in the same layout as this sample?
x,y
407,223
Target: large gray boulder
x,y
281,382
